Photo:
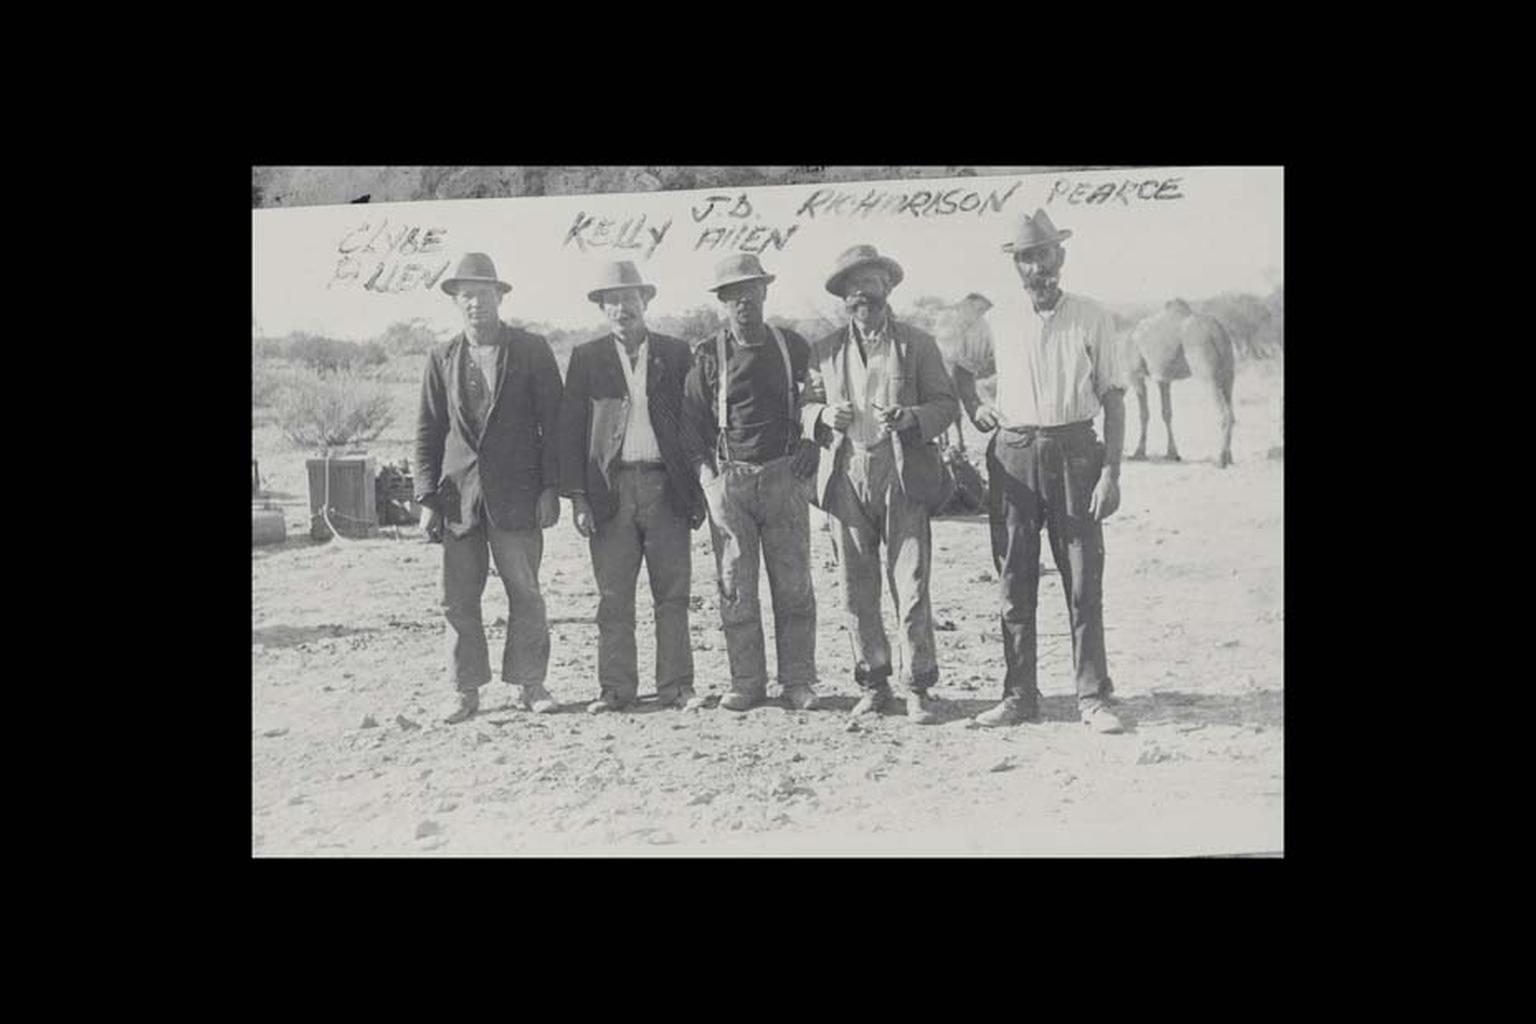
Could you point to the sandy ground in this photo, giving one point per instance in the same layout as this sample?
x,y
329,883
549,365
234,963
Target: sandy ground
x,y
347,649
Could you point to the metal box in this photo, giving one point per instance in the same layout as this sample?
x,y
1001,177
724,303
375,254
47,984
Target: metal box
x,y
349,497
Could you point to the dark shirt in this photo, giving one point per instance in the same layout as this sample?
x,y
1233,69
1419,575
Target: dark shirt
x,y
761,420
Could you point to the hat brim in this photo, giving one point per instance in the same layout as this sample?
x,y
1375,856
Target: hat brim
x,y
890,266
765,278
448,285
648,290
1060,236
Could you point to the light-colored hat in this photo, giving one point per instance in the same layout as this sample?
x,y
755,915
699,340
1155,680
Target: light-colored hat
x,y
475,267
620,274
862,256
737,268
1031,232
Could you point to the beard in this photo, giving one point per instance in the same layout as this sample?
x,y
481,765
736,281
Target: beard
x,y
867,307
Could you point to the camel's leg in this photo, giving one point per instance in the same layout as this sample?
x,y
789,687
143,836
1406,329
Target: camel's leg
x,y
1221,387
1141,410
960,432
1165,395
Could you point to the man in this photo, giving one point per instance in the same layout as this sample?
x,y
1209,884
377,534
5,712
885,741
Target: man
x,y
741,402
880,397
1055,370
489,476
633,494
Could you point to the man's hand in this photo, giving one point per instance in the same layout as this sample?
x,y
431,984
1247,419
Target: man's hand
x,y
581,515
1106,498
805,461
549,508
432,525
895,418
838,416
985,418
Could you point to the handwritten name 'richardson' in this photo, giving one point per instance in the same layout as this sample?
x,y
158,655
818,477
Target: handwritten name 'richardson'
x,y
832,202
374,255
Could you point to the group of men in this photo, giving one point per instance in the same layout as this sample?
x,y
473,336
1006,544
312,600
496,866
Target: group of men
x,y
649,440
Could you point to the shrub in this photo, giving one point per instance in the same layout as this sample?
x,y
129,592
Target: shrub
x,y
266,382
407,338
321,353
266,348
316,410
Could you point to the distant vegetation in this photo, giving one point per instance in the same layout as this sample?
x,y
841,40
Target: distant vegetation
x,y
331,392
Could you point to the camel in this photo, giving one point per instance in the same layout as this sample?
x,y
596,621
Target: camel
x,y
955,327
1174,344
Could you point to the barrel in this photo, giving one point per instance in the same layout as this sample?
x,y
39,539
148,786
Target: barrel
x,y
267,526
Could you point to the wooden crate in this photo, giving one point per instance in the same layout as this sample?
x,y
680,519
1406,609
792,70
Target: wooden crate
x,y
353,507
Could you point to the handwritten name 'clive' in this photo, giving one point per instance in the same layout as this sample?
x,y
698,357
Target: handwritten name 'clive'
x,y
375,257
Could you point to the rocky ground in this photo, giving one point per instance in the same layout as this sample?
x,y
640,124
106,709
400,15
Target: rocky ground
x,y
347,646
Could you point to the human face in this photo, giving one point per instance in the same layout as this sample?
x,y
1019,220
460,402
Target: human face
x,y
478,303
624,308
743,303
1040,268
864,293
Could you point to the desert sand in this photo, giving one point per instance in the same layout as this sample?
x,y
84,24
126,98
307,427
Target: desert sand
x,y
347,662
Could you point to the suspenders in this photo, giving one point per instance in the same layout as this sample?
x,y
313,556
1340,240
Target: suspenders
x,y
722,446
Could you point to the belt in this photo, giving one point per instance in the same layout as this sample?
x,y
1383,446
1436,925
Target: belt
x,y
621,464
883,443
1081,429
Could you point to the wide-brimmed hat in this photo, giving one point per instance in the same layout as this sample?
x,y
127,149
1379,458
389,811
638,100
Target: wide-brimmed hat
x,y
1033,231
737,268
476,267
862,256
620,274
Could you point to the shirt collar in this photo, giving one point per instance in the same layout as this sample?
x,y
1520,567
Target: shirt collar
x,y
501,332
879,334
1047,314
618,340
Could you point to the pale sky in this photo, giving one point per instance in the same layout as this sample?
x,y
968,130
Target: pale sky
x,y
1223,232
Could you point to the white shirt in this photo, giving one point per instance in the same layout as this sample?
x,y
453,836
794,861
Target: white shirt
x,y
1053,367
639,436
867,383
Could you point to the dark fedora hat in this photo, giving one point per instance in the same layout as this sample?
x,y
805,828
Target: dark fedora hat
x,y
476,267
1033,231
617,274
739,267
862,256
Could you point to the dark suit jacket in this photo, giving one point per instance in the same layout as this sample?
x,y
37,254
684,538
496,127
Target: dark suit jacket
x,y
919,380
595,414
508,463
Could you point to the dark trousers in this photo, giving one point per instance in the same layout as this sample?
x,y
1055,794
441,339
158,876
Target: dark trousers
x,y
762,512
645,527
1047,478
466,565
